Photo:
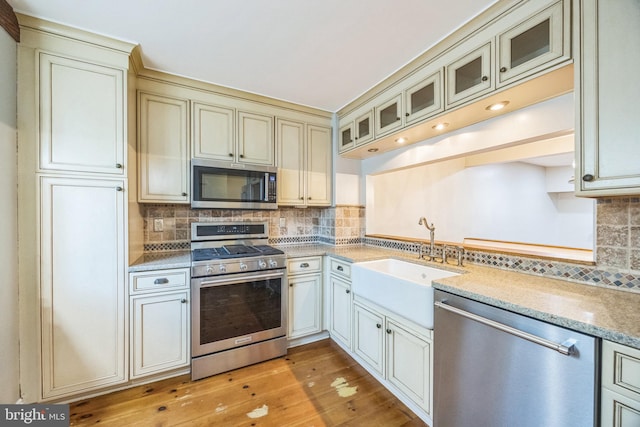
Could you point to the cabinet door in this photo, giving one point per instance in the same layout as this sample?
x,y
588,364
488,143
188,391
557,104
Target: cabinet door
x,y
318,166
618,410
255,139
368,337
364,128
305,308
82,285
82,116
607,108
408,364
213,132
424,99
163,149
346,137
340,322
534,44
159,333
291,156
388,116
470,76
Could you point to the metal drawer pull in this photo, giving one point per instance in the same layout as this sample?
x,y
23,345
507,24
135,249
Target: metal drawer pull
x,y
304,265
339,268
162,281
567,347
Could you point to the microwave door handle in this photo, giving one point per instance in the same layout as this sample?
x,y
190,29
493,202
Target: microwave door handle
x,y
265,195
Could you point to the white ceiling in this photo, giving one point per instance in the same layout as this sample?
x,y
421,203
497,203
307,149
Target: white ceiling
x,y
319,53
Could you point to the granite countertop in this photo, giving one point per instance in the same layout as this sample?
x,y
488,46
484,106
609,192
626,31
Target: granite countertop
x,y
606,313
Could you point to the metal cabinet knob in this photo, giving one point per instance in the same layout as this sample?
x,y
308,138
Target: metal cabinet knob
x,y
339,268
347,291
304,265
388,331
183,300
230,154
119,165
184,194
503,69
378,325
242,156
485,78
588,177
119,188
407,114
161,281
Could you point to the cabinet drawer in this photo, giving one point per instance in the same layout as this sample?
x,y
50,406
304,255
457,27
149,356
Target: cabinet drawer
x,y
621,369
340,268
304,265
159,280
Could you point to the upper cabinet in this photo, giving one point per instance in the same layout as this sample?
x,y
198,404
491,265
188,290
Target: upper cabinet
x,y
607,143
514,49
304,163
255,139
534,43
356,129
82,116
163,148
470,76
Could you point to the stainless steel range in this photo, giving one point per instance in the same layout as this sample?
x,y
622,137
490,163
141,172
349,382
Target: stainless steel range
x,y
239,297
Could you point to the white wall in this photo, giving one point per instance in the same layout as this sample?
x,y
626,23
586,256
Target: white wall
x,y
507,201
9,362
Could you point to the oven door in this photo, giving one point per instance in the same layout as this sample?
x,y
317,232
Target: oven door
x,y
236,310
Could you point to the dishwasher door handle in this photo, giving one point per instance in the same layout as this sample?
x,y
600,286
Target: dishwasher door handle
x,y
567,347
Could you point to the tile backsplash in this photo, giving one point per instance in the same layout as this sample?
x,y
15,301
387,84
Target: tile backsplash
x,y
618,233
335,225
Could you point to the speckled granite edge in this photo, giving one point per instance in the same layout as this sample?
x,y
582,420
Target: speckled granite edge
x,y
161,261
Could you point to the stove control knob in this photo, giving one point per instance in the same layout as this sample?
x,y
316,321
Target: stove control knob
x,y
262,264
223,268
209,269
243,266
272,263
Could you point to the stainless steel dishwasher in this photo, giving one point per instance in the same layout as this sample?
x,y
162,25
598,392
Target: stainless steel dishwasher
x,y
495,368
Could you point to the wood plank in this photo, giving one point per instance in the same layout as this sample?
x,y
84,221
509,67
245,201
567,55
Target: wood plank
x,y
295,390
9,21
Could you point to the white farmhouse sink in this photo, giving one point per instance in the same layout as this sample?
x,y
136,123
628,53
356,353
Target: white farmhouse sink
x,y
399,286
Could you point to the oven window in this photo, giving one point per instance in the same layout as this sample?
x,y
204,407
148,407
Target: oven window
x,y
239,309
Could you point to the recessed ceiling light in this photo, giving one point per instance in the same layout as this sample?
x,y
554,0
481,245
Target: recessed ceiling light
x,y
440,126
401,140
372,150
497,106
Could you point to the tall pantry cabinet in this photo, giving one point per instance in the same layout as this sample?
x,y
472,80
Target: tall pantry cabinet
x,y
72,133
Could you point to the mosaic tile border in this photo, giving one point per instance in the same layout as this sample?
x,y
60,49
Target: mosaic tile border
x,y
289,240
167,246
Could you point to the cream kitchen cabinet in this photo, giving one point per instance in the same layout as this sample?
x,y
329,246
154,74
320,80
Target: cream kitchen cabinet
x,y
304,164
341,302
216,136
397,354
607,111
423,98
82,116
305,296
356,129
620,397
82,285
160,324
388,116
536,43
470,76
163,149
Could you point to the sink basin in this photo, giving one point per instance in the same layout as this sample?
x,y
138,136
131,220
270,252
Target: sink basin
x,y
399,286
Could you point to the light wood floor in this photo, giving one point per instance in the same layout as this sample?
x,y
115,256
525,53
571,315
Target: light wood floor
x,y
295,390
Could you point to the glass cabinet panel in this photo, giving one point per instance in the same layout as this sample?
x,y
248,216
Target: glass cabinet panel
x,y
470,75
424,99
388,116
536,43
346,137
364,128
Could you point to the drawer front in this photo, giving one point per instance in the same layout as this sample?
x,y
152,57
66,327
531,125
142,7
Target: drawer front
x,y
159,280
621,369
340,268
304,265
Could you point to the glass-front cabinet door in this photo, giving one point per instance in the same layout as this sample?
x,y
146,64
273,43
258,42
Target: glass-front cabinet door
x,y
533,43
364,128
346,137
424,99
388,116
469,76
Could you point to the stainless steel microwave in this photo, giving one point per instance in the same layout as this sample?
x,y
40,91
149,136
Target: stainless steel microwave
x,y
226,185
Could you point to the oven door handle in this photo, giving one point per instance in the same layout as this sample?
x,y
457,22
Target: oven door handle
x,y
218,282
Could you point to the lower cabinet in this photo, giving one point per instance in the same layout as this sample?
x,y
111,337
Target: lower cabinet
x,y
620,397
340,298
159,318
305,296
395,351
